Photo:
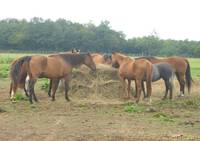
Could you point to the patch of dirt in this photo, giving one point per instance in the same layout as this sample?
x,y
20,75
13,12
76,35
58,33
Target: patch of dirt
x,y
96,113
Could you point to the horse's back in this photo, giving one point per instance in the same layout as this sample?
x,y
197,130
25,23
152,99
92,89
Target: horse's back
x,y
165,69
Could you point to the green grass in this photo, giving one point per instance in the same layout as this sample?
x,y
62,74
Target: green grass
x,y
133,108
4,70
195,66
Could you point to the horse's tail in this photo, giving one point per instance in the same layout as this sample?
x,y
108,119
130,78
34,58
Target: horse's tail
x,y
188,76
15,70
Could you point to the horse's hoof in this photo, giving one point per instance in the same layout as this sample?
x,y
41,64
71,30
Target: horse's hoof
x,y
53,99
181,95
164,98
68,99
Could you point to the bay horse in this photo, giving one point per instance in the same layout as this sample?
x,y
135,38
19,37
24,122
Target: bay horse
x,y
54,67
72,51
182,70
166,72
101,58
131,69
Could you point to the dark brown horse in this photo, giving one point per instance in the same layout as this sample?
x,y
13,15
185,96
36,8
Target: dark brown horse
x,y
181,67
101,58
54,67
130,69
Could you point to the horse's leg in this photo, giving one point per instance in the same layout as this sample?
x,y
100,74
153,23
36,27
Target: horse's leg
x,y
182,84
10,89
181,81
34,96
13,89
166,88
54,83
26,88
139,89
123,81
129,88
30,90
149,89
143,89
135,96
66,82
50,86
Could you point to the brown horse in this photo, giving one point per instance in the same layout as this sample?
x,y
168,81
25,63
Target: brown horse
x,y
72,51
130,69
101,58
54,67
181,67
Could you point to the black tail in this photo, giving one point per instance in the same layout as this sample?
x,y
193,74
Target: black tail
x,y
188,77
16,68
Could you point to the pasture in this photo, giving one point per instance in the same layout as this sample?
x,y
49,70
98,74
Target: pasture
x,y
96,111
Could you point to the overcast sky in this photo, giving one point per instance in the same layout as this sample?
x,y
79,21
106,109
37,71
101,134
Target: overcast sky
x,y
174,19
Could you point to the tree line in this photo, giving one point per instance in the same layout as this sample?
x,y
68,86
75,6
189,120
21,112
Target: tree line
x,y
39,35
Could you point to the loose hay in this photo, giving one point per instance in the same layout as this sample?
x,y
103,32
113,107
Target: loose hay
x,y
102,84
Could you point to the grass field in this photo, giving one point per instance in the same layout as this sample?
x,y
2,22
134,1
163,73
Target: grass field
x,y
97,113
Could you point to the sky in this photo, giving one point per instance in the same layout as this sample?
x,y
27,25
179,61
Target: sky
x,y
170,19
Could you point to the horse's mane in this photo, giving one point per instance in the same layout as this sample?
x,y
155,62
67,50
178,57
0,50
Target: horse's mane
x,y
147,58
73,59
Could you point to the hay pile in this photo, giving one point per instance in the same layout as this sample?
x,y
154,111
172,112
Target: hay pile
x,y
104,83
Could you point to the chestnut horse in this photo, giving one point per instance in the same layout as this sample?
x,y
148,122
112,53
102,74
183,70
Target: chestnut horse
x,y
101,58
54,67
130,69
181,67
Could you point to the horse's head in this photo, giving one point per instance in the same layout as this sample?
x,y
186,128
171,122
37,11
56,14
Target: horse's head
x,y
88,61
107,58
114,59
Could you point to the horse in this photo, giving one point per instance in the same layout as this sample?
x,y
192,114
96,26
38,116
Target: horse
x,y
101,58
72,51
54,67
163,71
182,70
131,69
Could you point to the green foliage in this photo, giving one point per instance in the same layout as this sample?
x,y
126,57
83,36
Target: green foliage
x,y
5,59
131,108
20,97
61,35
4,70
163,117
45,84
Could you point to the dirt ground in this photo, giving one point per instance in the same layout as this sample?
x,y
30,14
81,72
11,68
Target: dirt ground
x,y
99,118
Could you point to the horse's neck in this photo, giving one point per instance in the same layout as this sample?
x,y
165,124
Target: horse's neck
x,y
121,59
